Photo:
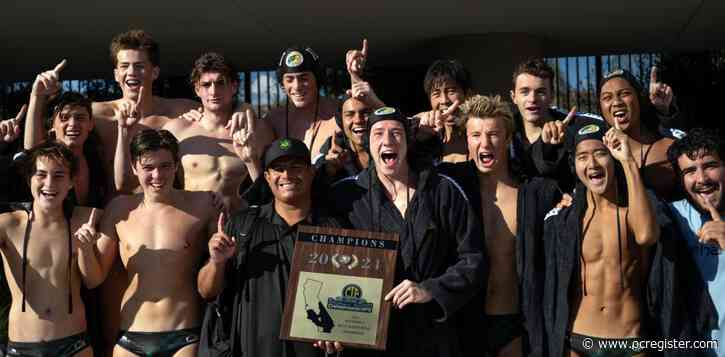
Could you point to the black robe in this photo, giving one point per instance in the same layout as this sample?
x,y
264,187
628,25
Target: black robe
x,y
440,248
535,199
667,297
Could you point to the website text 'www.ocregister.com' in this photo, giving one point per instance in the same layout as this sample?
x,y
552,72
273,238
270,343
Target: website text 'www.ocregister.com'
x,y
649,345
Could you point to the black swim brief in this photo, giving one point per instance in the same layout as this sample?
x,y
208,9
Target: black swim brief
x,y
603,347
501,330
62,347
157,344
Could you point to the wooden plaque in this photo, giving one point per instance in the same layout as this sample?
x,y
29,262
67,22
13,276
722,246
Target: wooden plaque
x,y
336,287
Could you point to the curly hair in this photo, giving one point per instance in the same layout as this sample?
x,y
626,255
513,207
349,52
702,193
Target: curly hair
x,y
135,40
698,142
481,106
213,62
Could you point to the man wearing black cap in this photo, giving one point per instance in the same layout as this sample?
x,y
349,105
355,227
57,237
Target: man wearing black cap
x,y
597,250
260,240
306,115
441,264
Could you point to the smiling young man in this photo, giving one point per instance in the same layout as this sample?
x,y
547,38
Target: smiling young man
x,y
598,254
136,60
441,264
698,161
160,235
208,161
71,122
250,256
623,101
45,264
447,82
306,115
512,212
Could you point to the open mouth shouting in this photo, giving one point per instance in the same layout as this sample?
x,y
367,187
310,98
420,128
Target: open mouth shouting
x,y
596,177
389,159
487,159
621,116
134,84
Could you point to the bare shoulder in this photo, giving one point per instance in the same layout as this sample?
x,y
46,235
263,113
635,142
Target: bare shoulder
x,y
176,125
156,121
10,220
104,110
175,107
121,205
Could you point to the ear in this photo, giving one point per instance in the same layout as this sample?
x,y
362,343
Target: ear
x,y
197,90
133,168
267,178
117,76
155,72
513,95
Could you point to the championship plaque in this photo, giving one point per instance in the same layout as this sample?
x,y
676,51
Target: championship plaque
x,y
336,287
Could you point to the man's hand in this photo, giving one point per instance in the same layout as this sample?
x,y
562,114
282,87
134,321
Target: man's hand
x,y
554,132
86,234
130,112
221,246
336,156
329,346
10,129
713,232
618,143
245,138
436,118
408,292
47,83
193,115
355,62
363,92
660,94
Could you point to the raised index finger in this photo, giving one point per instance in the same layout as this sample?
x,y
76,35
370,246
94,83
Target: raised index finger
x,y
452,108
653,75
570,116
92,217
251,122
139,101
365,47
21,113
59,67
220,223
713,211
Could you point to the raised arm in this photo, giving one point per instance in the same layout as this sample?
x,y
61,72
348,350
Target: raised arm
x,y
210,281
46,84
641,219
107,242
248,144
127,116
88,256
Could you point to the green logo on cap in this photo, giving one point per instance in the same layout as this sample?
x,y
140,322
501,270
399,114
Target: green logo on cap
x,y
285,144
589,129
385,111
294,59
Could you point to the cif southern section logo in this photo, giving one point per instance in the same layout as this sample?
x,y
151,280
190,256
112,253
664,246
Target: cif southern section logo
x,y
350,300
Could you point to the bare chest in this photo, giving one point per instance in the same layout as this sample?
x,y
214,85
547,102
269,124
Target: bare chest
x,y
499,221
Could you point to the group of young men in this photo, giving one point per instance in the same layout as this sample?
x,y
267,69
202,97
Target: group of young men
x,y
524,231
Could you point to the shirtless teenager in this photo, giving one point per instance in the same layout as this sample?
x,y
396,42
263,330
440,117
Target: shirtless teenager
x,y
160,235
598,248
208,161
306,115
447,82
623,101
512,212
71,123
45,264
136,59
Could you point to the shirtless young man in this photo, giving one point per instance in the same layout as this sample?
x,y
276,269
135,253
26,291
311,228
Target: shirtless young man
x,y
71,123
161,309
447,84
598,249
512,212
45,264
136,59
208,161
307,115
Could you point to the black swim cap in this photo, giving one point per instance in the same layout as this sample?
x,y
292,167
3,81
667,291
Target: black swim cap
x,y
298,59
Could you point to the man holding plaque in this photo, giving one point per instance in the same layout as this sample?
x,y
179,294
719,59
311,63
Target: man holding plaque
x,y
441,264
250,255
